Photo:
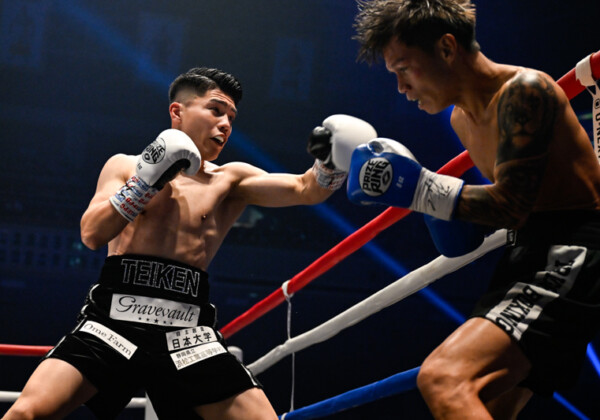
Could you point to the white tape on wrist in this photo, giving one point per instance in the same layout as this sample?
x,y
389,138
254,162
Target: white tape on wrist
x,y
436,194
332,179
132,197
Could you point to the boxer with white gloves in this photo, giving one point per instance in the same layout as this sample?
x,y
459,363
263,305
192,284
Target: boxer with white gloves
x,y
384,171
332,145
158,262
172,152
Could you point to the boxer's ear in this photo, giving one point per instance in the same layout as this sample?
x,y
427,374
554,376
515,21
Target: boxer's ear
x,y
175,112
447,47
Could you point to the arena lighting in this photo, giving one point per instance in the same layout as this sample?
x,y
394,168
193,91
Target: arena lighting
x,y
118,44
160,80
128,53
255,154
593,358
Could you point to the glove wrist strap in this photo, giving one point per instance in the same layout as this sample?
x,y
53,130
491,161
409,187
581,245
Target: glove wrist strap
x,y
331,179
132,197
436,194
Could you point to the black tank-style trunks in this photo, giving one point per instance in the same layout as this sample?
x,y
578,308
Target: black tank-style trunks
x,y
148,324
545,293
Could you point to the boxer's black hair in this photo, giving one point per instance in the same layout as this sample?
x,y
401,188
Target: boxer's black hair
x,y
417,23
202,79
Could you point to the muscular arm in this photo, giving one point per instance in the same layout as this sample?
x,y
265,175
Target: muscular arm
x,y
260,188
527,111
101,222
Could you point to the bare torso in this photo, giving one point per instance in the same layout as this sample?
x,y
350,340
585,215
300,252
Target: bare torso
x,y
187,220
572,178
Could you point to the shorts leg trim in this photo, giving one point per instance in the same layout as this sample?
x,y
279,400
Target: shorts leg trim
x,y
524,303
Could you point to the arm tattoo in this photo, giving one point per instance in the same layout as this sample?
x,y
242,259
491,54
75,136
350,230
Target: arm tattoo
x,y
526,115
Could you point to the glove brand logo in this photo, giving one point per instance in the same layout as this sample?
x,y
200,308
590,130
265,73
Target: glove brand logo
x,y
375,176
155,152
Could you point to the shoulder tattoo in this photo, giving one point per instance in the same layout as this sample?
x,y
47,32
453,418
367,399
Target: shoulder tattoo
x,y
526,115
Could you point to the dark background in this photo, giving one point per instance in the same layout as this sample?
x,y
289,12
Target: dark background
x,y
83,80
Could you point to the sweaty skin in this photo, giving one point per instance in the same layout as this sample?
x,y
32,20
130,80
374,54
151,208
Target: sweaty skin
x,y
186,221
515,122
528,129
523,135
189,218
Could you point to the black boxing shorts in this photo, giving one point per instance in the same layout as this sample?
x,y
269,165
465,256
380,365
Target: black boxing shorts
x,y
545,294
148,324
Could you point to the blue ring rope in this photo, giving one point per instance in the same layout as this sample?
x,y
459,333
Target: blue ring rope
x,y
400,382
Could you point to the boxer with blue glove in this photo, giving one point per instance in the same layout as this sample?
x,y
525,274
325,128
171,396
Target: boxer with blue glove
x,y
384,171
453,238
526,334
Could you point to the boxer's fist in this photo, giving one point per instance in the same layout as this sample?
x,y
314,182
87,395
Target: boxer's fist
x,y
165,157
335,140
160,162
384,171
455,237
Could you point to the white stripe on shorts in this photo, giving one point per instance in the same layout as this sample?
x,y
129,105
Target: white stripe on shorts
x,y
524,302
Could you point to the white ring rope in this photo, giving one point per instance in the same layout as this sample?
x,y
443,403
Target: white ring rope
x,y
11,396
401,288
387,296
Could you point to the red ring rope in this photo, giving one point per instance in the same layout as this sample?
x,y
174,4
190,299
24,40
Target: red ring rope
x,y
571,85
455,167
21,350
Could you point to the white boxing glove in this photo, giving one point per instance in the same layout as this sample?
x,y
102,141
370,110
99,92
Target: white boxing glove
x,y
346,134
161,161
332,145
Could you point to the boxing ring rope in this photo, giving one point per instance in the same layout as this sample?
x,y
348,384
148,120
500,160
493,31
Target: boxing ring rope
x,y
10,396
22,350
396,291
393,293
572,87
571,84
456,167
400,382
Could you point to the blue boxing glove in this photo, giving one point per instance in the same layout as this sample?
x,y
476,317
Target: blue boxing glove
x,y
455,237
384,171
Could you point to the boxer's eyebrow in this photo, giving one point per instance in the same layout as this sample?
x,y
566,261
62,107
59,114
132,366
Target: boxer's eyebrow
x,y
225,104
